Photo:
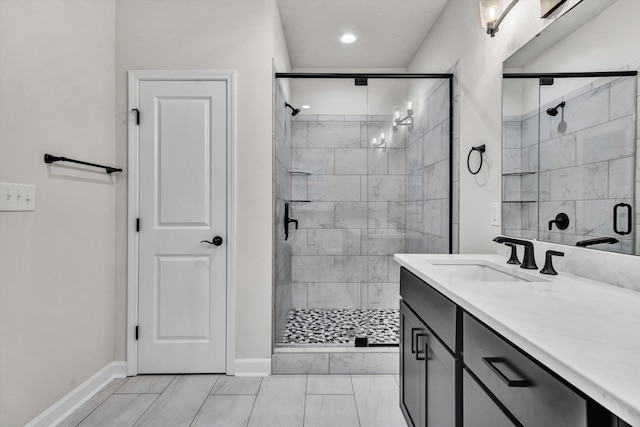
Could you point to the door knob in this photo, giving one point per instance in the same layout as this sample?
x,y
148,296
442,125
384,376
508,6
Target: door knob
x,y
216,241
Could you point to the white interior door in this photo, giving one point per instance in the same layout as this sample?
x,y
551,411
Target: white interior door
x,y
182,281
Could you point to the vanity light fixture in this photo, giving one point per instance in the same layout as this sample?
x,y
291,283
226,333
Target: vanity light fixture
x,y
492,12
403,116
347,38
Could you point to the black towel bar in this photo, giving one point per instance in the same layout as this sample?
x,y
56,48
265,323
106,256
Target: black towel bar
x,y
50,158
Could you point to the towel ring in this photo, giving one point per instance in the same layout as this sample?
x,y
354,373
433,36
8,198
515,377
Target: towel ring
x,y
480,149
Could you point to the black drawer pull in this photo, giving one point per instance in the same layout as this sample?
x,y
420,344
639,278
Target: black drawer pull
x,y
518,382
421,355
414,339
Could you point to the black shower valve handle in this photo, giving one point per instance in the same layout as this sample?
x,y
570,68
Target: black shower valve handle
x,y
561,221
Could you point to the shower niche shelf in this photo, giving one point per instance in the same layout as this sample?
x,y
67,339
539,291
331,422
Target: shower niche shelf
x,y
519,201
518,173
299,173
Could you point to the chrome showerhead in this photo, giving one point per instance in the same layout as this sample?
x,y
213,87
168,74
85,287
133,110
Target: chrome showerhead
x,y
294,111
554,111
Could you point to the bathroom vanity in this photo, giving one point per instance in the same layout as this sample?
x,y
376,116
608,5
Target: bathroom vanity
x,y
487,344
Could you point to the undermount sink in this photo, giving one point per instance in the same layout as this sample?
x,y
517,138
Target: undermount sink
x,y
481,271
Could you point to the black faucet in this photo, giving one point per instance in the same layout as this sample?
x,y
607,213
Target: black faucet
x,y
529,261
597,241
287,221
548,263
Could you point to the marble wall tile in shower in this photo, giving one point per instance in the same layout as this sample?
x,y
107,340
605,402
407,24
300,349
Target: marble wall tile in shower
x,y
299,187
397,215
414,185
432,217
436,181
414,156
512,188
548,212
299,134
439,106
333,242
579,183
394,269
512,134
378,161
594,217
396,161
313,160
512,216
372,130
530,131
529,187
622,101
351,214
326,188
621,182
611,140
383,296
333,134
386,188
378,214
416,242
331,118
530,158
432,147
544,186
350,161
312,268
378,268
445,139
558,153
283,148
333,295
298,295
314,214
437,244
383,242
584,111
511,160
414,216
305,118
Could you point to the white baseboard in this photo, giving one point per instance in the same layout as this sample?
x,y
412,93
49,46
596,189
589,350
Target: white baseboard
x,y
79,395
253,367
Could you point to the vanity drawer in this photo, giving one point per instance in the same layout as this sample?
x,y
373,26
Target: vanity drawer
x,y
530,393
432,307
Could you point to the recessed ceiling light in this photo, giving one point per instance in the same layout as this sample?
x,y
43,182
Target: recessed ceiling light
x,y
347,38
305,107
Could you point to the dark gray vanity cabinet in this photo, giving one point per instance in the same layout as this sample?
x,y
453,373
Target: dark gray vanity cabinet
x,y
457,372
427,366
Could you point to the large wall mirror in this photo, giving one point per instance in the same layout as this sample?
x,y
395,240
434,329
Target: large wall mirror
x,y
569,132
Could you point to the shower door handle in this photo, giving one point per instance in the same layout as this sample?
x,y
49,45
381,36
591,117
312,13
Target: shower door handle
x,y
615,218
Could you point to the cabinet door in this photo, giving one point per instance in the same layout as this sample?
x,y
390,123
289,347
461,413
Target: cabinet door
x,y
441,377
479,409
412,368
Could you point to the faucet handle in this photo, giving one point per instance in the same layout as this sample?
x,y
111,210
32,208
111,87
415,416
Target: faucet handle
x,y
548,263
513,259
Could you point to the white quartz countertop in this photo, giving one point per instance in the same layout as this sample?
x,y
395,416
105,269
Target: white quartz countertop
x,y
585,331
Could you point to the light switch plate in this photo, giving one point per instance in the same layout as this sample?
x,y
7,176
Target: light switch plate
x,y
17,197
495,213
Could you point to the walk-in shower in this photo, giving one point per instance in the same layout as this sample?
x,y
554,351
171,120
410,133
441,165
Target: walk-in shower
x,y
361,175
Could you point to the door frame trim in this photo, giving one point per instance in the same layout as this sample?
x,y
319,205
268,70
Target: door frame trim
x,y
133,206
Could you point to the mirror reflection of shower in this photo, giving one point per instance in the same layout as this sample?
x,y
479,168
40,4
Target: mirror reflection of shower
x,y
562,126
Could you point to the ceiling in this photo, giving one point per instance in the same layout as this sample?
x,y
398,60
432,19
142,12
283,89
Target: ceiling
x,y
389,31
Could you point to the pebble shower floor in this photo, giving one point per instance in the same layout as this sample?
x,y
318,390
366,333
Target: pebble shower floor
x,y
340,326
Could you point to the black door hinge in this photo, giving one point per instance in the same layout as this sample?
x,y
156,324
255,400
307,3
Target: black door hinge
x,y
137,115
136,332
137,224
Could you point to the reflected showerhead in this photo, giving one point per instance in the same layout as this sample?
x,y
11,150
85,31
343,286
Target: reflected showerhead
x,y
294,111
554,111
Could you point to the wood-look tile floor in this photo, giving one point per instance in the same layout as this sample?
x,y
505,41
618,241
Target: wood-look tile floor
x,y
222,401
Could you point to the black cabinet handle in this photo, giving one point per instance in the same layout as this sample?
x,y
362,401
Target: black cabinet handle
x,y
421,355
615,218
216,241
510,382
414,339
